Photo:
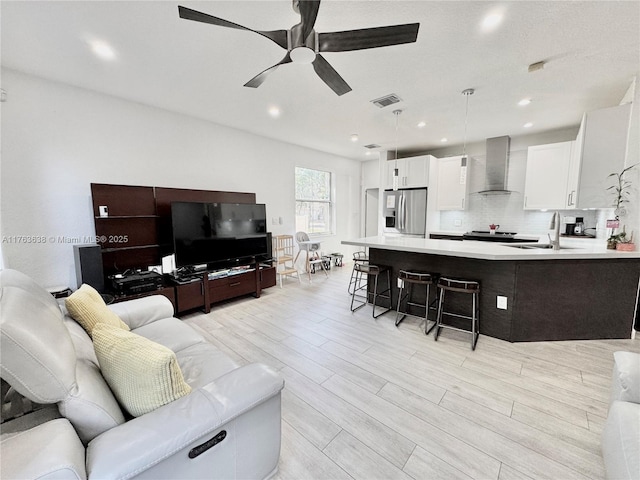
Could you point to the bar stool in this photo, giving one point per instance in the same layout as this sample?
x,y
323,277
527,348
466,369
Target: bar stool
x,y
405,293
363,272
358,258
471,287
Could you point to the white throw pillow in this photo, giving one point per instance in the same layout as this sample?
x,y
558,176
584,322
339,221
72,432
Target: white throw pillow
x,y
87,307
142,374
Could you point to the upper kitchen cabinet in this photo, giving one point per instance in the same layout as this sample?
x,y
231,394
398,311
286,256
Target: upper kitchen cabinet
x,y
569,175
452,184
547,176
413,172
601,148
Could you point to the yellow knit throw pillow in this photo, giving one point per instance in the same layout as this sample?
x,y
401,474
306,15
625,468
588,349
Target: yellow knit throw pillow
x,y
86,307
142,374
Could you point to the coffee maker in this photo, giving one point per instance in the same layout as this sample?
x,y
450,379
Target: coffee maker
x,y
570,225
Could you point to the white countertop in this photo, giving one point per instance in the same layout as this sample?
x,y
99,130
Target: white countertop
x,y
572,249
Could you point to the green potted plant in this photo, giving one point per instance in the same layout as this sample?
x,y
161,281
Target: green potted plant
x,y
621,242
622,191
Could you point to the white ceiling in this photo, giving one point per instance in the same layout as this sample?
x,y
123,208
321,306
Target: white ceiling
x,y
592,50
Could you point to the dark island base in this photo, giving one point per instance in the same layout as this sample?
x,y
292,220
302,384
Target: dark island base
x,y
546,299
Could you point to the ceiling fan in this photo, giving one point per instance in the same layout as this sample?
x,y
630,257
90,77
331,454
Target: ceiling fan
x,y
304,44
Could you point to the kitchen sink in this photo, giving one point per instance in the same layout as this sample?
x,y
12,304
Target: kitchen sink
x,y
541,246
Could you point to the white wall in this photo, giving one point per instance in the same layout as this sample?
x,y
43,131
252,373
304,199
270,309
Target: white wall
x,y
632,220
57,139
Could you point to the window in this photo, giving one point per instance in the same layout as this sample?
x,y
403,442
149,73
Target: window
x,y
313,201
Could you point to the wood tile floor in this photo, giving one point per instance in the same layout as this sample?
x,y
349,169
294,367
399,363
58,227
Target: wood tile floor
x,y
364,399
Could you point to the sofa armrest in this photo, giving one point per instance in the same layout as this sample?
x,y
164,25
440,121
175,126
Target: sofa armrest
x,y
621,441
625,381
140,444
50,451
142,311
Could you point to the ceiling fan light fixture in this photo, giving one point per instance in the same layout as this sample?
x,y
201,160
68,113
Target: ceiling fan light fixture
x,y
302,55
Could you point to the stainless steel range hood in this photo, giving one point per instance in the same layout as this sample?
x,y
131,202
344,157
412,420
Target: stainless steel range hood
x,y
497,166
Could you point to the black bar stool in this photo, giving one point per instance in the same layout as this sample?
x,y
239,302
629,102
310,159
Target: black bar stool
x,y
361,282
471,287
358,258
407,281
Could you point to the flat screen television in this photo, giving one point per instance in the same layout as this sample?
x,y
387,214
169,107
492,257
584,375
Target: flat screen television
x,y
218,234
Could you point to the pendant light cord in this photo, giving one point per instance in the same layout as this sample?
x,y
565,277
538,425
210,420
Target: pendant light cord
x,y
397,114
466,93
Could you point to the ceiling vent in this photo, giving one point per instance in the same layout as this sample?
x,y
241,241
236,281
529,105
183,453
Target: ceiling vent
x,y
371,146
386,100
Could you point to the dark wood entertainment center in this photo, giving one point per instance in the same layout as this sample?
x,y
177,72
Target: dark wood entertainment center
x,y
135,233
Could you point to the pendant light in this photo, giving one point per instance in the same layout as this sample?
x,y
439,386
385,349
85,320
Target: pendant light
x,y
463,161
395,169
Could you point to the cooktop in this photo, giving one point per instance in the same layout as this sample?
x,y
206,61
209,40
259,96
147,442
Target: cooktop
x,y
486,236
487,232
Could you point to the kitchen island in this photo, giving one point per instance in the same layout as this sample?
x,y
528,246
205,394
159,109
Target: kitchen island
x,y
580,292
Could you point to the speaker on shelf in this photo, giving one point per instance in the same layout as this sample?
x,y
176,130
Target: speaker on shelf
x,y
88,260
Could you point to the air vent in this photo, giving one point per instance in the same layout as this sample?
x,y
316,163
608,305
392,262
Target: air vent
x,y
386,100
371,146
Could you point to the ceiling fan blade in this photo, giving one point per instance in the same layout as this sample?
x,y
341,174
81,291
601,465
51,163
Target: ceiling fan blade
x,y
308,13
368,38
256,81
277,36
329,76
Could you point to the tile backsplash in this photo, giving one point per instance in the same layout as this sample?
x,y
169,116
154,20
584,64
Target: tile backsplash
x,y
507,210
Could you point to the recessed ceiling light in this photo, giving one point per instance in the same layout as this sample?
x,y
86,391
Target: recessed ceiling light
x,y
491,21
443,140
354,137
102,50
528,125
274,112
524,101
422,124
368,153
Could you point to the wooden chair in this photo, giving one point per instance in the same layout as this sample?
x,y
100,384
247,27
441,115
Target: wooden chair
x,y
284,247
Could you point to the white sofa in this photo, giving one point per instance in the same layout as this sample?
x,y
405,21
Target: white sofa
x,y
621,434
48,358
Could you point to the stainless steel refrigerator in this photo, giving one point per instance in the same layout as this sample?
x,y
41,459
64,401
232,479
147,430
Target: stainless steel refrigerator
x,y
405,212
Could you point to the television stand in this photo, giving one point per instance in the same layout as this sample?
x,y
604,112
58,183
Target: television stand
x,y
206,288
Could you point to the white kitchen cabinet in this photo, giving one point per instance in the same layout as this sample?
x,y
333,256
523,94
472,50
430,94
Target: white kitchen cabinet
x,y
413,172
601,149
547,176
451,184
570,175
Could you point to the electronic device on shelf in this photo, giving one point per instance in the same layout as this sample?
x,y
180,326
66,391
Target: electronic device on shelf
x,y
134,283
219,234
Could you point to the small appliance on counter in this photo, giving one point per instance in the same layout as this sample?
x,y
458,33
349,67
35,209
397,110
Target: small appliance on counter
x,y
574,227
569,225
579,228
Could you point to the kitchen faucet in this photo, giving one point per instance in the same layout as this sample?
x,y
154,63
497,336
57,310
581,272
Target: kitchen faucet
x,y
555,224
